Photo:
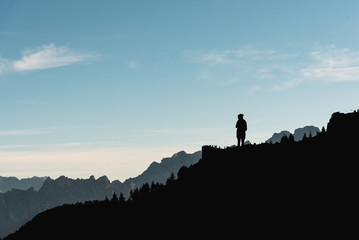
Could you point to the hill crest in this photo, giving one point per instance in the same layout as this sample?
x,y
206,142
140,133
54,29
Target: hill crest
x,y
262,190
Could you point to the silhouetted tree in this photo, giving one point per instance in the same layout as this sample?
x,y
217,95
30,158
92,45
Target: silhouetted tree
x,y
145,188
171,179
156,186
153,186
121,199
323,130
291,138
134,195
114,197
284,139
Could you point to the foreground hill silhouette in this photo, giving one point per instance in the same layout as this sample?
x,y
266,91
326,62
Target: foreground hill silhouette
x,y
19,206
285,190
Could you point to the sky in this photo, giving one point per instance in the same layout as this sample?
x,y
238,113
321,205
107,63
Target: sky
x,y
107,87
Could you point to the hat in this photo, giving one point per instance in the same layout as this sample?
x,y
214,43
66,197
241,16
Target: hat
x,y
240,115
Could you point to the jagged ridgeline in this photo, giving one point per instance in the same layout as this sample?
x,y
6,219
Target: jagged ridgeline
x,y
21,204
8,183
283,190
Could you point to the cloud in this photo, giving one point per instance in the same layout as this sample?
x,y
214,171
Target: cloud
x,y
132,65
47,146
326,64
20,132
235,56
332,74
332,64
274,70
216,58
44,57
48,56
211,58
232,66
38,131
188,131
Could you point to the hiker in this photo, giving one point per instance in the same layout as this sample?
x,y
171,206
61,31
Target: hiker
x,y
241,129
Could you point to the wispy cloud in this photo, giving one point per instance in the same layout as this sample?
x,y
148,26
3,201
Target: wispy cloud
x,y
177,131
227,67
45,130
21,132
235,56
132,65
274,70
216,57
325,64
333,64
44,57
46,146
49,56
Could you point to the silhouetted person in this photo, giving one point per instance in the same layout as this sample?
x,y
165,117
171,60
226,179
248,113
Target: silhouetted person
x,y
241,129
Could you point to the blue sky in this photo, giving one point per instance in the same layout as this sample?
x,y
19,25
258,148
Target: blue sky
x,y
107,87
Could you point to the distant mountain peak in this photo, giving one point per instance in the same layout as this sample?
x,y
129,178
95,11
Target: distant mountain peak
x,y
105,180
179,154
298,134
160,172
276,137
307,130
8,183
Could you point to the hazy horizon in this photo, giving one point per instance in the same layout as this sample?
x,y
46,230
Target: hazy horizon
x,y
106,88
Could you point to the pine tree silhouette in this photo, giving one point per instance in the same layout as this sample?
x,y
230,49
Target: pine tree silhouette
x,y
114,197
121,199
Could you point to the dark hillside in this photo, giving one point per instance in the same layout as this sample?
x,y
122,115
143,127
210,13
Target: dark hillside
x,y
285,190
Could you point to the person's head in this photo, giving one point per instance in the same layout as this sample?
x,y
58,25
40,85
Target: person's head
x,y
240,116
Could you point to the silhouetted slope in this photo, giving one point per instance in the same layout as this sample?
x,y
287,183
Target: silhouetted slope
x,y
160,172
286,190
18,206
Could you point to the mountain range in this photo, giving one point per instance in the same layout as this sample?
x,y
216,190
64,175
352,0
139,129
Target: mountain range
x,y
157,172
298,134
8,183
293,189
19,206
